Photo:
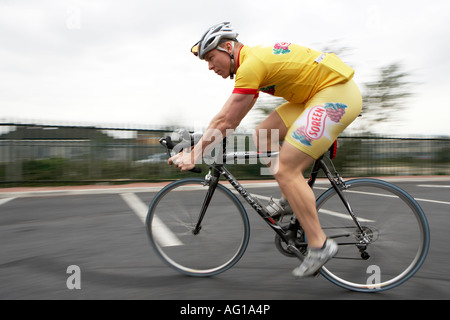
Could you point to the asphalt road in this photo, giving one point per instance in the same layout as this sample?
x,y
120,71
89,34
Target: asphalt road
x,y
44,234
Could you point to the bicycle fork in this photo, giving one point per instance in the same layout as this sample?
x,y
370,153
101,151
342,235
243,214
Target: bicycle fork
x,y
212,181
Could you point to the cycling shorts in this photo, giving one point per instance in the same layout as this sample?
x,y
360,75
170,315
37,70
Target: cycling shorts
x,y
314,126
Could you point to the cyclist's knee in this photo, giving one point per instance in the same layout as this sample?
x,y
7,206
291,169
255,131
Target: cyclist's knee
x,y
292,163
281,174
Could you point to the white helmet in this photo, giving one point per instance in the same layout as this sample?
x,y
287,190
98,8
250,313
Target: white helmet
x,y
215,35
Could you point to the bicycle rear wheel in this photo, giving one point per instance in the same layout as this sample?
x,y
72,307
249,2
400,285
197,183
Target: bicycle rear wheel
x,y
222,239
396,240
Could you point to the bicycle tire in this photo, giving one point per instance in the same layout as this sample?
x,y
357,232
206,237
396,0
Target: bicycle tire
x,y
221,241
395,224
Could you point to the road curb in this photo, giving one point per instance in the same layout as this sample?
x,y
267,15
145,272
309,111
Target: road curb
x,y
156,186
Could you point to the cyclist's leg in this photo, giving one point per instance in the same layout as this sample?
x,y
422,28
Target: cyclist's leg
x,y
325,116
264,136
292,164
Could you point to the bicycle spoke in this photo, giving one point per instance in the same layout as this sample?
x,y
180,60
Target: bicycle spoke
x,y
393,239
224,230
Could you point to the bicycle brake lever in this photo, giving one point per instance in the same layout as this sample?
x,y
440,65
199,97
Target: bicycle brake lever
x,y
163,142
168,144
196,170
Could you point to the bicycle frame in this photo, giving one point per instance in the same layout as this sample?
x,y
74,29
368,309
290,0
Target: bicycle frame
x,y
287,235
290,238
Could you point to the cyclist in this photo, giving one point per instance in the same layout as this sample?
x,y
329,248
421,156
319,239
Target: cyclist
x,y
322,100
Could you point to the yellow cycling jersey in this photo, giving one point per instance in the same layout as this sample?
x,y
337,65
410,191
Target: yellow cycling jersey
x,y
287,70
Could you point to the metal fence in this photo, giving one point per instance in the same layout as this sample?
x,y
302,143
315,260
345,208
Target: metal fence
x,y
43,154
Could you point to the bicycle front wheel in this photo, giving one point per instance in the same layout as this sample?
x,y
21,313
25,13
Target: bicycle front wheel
x,y
221,240
394,241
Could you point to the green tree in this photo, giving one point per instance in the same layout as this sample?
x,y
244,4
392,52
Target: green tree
x,y
385,97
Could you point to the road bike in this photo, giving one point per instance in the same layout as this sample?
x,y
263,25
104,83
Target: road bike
x,y
199,227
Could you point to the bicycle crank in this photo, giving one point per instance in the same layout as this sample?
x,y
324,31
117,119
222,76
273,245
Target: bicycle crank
x,y
296,248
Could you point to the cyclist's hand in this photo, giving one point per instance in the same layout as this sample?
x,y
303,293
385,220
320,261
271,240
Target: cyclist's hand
x,y
183,161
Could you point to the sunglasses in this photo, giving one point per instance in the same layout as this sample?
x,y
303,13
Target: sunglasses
x,y
195,48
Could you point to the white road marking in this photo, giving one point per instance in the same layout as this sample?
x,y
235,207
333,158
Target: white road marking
x,y
3,201
432,201
164,236
325,211
394,196
343,215
433,186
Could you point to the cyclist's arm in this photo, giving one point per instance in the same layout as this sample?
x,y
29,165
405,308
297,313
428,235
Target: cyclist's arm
x,y
229,117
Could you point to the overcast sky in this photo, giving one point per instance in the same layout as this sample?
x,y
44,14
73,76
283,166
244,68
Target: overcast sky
x,y
127,63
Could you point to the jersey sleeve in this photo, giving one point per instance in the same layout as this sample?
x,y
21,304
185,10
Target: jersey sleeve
x,y
255,92
249,77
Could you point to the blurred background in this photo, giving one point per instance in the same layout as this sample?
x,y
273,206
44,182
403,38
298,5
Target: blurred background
x,y
88,87
33,154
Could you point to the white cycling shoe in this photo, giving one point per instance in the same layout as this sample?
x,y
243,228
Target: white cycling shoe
x,y
315,259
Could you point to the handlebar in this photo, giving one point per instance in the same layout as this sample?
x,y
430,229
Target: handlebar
x,y
170,145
